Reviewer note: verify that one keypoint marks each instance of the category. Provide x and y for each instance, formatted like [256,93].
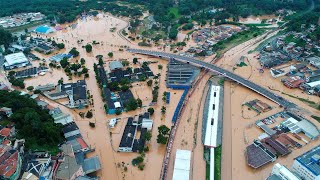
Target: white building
[307,165]
[211,138]
[283,172]
[147,123]
[181,169]
[313,84]
[15,60]
[112,122]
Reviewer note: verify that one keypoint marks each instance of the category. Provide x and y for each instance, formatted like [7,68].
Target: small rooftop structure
[113,65]
[117,105]
[182,165]
[112,122]
[58,57]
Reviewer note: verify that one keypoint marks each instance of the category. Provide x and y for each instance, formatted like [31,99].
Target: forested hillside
[67,10]
[33,124]
[64,10]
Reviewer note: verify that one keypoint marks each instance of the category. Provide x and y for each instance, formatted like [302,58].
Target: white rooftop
[16,58]
[112,122]
[314,84]
[285,172]
[182,165]
[213,115]
[117,105]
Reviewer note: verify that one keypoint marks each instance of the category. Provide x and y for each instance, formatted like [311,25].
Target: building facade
[307,165]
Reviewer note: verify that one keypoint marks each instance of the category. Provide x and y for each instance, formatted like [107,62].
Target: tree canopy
[33,123]
[5,37]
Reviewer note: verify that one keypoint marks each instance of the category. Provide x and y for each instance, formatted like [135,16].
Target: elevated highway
[254,87]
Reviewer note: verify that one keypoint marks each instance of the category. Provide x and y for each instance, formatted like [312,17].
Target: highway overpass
[261,90]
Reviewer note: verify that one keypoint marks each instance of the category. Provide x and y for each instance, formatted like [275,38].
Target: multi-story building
[283,173]
[307,165]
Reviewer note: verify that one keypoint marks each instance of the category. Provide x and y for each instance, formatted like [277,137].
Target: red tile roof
[6,142]
[82,143]
[9,167]
[5,132]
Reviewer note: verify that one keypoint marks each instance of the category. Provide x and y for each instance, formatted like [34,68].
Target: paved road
[262,91]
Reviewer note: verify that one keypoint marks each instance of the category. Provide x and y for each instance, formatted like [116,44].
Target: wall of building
[303,172]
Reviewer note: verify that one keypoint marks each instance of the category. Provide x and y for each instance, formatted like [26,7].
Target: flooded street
[101,138]
[238,131]
[238,125]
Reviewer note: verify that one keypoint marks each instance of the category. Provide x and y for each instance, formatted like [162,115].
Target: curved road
[261,90]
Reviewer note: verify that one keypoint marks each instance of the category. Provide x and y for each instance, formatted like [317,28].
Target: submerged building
[15,60]
[182,165]
[180,74]
[307,165]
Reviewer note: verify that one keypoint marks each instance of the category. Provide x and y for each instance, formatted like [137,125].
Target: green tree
[151,111]
[82,61]
[89,114]
[162,139]
[118,111]
[5,37]
[160,66]
[173,33]
[88,48]
[30,88]
[139,102]
[135,60]
[148,136]
[110,54]
[149,82]
[30,119]
[61,46]
[131,105]
[163,109]
[163,130]
[74,52]
[91,124]
[64,62]
[84,70]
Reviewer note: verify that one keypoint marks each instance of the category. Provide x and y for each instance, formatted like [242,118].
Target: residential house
[67,167]
[10,163]
[292,82]
[70,130]
[314,61]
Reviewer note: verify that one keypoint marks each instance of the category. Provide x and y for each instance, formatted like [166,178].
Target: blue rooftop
[42,29]
[311,160]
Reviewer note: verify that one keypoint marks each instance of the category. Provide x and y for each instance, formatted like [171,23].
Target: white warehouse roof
[314,84]
[213,115]
[16,58]
[182,165]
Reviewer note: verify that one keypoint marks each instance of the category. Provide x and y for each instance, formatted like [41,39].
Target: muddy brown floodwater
[238,125]
[101,138]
